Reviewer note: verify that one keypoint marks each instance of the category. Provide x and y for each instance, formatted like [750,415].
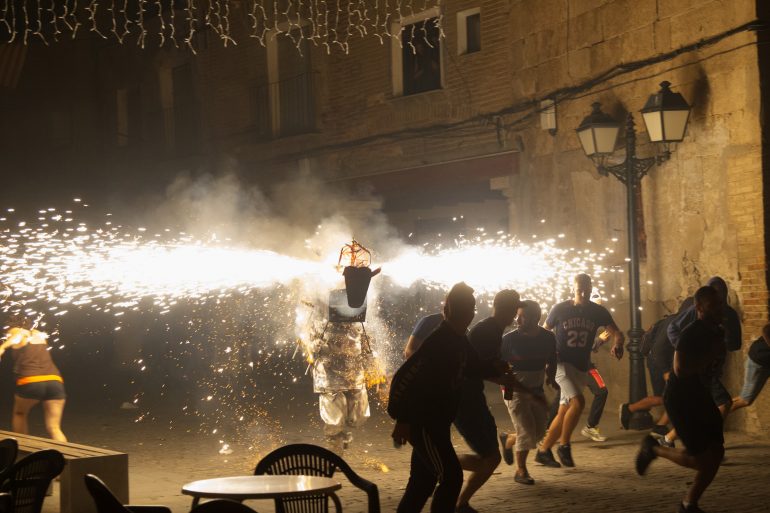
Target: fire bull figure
[339,376]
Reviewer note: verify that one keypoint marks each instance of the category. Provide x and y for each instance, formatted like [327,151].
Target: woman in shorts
[38,380]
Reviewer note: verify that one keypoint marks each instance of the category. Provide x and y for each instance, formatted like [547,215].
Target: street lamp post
[665,114]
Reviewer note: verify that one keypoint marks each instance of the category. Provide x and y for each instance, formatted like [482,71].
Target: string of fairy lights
[330,24]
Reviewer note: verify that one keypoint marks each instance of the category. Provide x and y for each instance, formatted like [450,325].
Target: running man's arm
[618,340]
[412,345]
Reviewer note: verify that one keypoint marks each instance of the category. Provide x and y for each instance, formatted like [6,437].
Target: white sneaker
[593,434]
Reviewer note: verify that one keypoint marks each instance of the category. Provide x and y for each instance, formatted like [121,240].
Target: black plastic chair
[222,506]
[106,502]
[29,479]
[312,460]
[9,449]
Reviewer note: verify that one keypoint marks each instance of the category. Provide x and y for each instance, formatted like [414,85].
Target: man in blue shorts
[575,323]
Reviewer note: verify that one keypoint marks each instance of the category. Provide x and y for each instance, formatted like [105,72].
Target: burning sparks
[58,263]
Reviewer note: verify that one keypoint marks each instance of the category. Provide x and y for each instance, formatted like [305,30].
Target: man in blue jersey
[575,323]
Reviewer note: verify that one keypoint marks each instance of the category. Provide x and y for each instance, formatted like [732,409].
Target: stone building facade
[480,145]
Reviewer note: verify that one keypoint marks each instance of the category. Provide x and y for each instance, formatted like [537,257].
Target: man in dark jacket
[731,326]
[424,397]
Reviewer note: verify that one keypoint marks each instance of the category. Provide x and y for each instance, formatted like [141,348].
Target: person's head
[708,304]
[504,306]
[528,316]
[460,305]
[720,286]
[582,287]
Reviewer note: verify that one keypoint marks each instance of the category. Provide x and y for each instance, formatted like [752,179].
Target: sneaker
[546,458]
[625,415]
[565,455]
[507,451]
[665,442]
[593,434]
[646,454]
[526,479]
[690,508]
[659,431]
[466,508]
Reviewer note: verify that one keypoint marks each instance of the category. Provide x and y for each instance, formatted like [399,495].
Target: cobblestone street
[162,460]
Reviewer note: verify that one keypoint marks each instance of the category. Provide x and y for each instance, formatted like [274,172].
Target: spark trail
[56,262]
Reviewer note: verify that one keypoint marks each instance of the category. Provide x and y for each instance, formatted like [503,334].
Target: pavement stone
[162,459]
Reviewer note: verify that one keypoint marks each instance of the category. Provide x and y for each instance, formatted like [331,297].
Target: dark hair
[532,308]
[506,299]
[459,293]
[583,278]
[704,294]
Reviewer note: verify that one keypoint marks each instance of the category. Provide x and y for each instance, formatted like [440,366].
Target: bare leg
[738,403]
[481,469]
[706,466]
[646,404]
[554,430]
[510,441]
[21,407]
[571,418]
[521,463]
[53,410]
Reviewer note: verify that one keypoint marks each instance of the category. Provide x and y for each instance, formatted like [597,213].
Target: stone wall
[703,209]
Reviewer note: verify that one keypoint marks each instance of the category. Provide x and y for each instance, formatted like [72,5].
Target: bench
[110,466]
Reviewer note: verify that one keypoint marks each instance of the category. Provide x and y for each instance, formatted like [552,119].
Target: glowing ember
[58,263]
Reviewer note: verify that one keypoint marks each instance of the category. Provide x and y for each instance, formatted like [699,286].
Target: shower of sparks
[57,263]
[540,271]
[213,326]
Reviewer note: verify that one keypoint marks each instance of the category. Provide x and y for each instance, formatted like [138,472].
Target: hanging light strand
[324,23]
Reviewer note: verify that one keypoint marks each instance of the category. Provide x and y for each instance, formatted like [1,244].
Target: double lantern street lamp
[665,116]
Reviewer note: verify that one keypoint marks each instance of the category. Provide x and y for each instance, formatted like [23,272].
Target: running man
[689,402]
[731,327]
[575,323]
[531,352]
[424,397]
[474,421]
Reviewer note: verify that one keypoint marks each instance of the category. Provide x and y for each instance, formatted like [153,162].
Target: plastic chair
[106,502]
[9,449]
[29,479]
[221,506]
[312,460]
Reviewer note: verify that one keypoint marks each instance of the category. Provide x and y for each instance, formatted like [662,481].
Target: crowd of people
[441,383]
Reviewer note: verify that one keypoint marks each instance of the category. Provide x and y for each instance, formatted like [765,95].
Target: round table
[259,487]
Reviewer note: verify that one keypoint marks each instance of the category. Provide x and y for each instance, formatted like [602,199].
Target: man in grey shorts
[575,323]
[531,353]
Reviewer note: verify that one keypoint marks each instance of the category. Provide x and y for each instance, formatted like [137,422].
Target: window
[290,91]
[469,31]
[417,54]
